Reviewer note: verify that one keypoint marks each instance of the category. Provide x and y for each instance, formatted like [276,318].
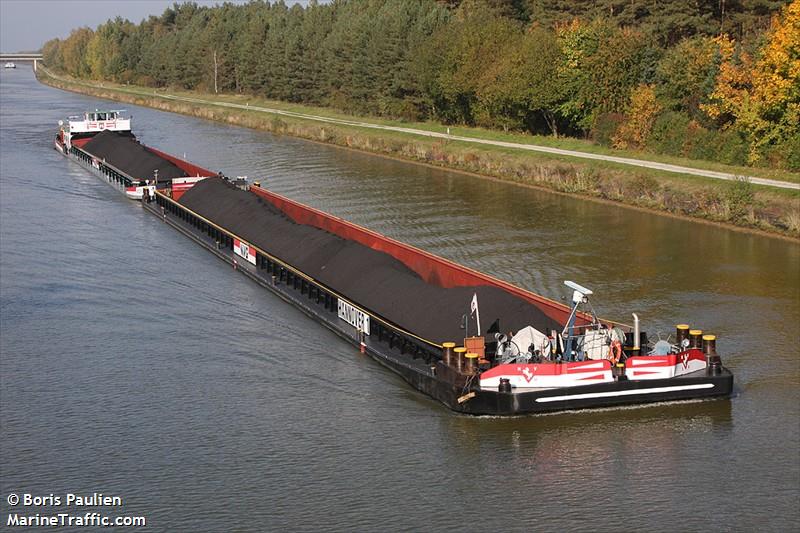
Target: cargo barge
[420,315]
[103,143]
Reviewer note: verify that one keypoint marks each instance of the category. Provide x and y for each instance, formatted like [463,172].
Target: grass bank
[739,204]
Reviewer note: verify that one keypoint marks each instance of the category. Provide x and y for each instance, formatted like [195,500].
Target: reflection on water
[630,428]
[134,363]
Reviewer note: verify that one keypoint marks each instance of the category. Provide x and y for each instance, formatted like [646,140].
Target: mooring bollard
[447,352]
[459,356]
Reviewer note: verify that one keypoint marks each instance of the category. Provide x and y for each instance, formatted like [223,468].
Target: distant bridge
[20,58]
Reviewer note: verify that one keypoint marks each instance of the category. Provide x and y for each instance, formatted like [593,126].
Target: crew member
[615,345]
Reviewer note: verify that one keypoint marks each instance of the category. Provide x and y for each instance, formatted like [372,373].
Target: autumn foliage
[711,80]
[640,117]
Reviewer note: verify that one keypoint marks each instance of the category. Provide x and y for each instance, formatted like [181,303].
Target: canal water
[136,364]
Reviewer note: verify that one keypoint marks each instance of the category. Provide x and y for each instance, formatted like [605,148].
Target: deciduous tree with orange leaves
[761,96]
[640,117]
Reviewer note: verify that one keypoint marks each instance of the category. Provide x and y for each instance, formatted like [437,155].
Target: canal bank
[739,204]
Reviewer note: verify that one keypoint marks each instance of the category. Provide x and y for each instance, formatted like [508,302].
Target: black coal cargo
[124,153]
[372,279]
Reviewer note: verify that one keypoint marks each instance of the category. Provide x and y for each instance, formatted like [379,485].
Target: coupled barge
[103,143]
[560,358]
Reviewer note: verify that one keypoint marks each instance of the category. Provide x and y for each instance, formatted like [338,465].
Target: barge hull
[457,391]
[116,180]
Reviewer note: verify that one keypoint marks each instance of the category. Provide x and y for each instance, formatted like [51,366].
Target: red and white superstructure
[97,121]
[79,129]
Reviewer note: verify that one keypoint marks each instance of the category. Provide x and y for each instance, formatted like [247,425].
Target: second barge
[104,144]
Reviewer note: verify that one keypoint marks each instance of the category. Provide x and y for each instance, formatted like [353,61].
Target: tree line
[707,79]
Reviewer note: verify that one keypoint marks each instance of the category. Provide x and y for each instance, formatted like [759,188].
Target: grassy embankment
[739,204]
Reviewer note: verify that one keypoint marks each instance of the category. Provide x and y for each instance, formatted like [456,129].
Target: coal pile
[375,280]
[126,154]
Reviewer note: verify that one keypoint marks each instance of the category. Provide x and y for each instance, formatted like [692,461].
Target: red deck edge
[431,268]
[189,168]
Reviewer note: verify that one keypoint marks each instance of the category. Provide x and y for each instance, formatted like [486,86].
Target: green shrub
[669,133]
[675,134]
[785,154]
[699,142]
[739,199]
[731,147]
[605,126]
[793,153]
